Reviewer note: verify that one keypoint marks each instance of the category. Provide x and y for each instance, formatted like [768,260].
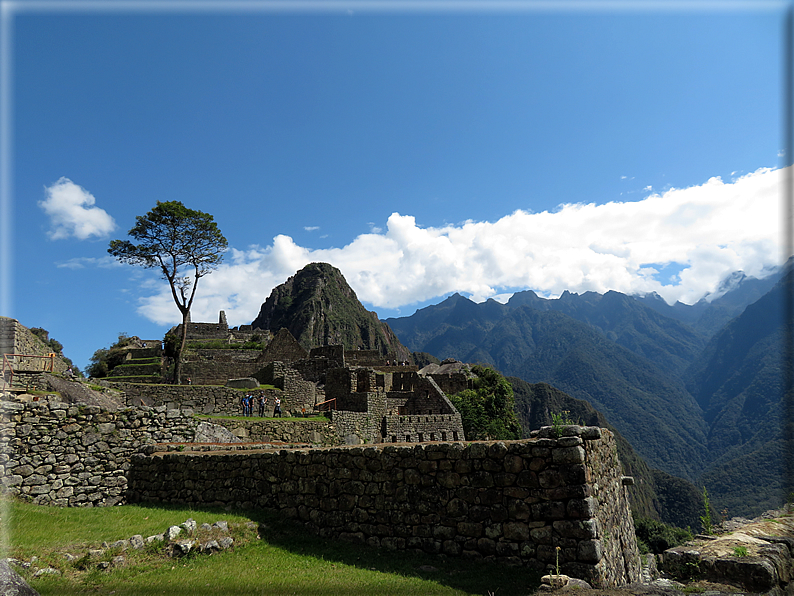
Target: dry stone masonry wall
[514,502]
[314,431]
[61,454]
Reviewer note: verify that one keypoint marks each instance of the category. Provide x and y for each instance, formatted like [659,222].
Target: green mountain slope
[738,381]
[653,412]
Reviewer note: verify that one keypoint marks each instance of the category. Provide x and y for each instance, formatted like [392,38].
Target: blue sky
[422,152]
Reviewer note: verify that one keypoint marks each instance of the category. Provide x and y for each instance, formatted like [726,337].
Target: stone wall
[284,348]
[15,338]
[314,431]
[515,502]
[18,339]
[297,393]
[203,399]
[215,367]
[364,358]
[214,399]
[430,427]
[66,455]
[356,428]
[452,383]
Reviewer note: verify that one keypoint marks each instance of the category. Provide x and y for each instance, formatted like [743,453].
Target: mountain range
[695,389]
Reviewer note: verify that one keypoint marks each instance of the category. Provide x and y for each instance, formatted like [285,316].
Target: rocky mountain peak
[319,308]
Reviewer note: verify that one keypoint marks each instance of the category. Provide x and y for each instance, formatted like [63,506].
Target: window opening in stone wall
[454,435]
[443,436]
[421,437]
[407,438]
[432,436]
[394,438]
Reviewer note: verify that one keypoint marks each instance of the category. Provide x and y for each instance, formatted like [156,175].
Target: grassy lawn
[284,559]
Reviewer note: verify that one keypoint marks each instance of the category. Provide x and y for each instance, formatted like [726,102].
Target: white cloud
[83,262]
[712,230]
[72,212]
[311,228]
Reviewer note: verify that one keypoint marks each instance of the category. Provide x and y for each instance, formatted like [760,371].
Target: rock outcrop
[319,308]
[756,557]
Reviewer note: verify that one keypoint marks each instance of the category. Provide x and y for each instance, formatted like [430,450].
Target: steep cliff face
[319,308]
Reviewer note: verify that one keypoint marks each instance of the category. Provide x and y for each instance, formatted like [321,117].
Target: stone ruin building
[369,398]
[219,330]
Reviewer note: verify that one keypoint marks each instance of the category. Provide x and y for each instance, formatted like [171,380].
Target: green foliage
[171,345]
[656,537]
[488,410]
[705,519]
[106,359]
[740,551]
[558,420]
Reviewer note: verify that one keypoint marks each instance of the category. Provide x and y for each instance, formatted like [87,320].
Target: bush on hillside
[488,410]
[656,537]
[106,359]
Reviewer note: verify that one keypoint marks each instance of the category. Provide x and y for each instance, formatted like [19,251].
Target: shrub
[656,537]
[106,359]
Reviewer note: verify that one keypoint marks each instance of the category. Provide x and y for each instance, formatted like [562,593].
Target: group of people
[249,399]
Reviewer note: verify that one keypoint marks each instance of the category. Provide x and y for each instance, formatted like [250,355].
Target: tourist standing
[262,403]
[277,409]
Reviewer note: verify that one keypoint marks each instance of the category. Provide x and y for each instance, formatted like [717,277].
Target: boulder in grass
[12,584]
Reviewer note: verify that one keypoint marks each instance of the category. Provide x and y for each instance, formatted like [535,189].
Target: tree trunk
[178,358]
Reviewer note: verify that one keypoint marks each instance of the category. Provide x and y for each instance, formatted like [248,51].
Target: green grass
[287,559]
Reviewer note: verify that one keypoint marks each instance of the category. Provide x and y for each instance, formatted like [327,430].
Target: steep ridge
[658,417]
[738,382]
[319,308]
[454,327]
[538,340]
[655,494]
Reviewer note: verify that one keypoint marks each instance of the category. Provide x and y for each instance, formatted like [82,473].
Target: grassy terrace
[284,559]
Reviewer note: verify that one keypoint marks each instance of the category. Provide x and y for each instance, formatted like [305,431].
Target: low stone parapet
[535,502]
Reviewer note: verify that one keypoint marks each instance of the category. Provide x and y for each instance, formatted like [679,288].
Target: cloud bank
[704,232]
[72,212]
